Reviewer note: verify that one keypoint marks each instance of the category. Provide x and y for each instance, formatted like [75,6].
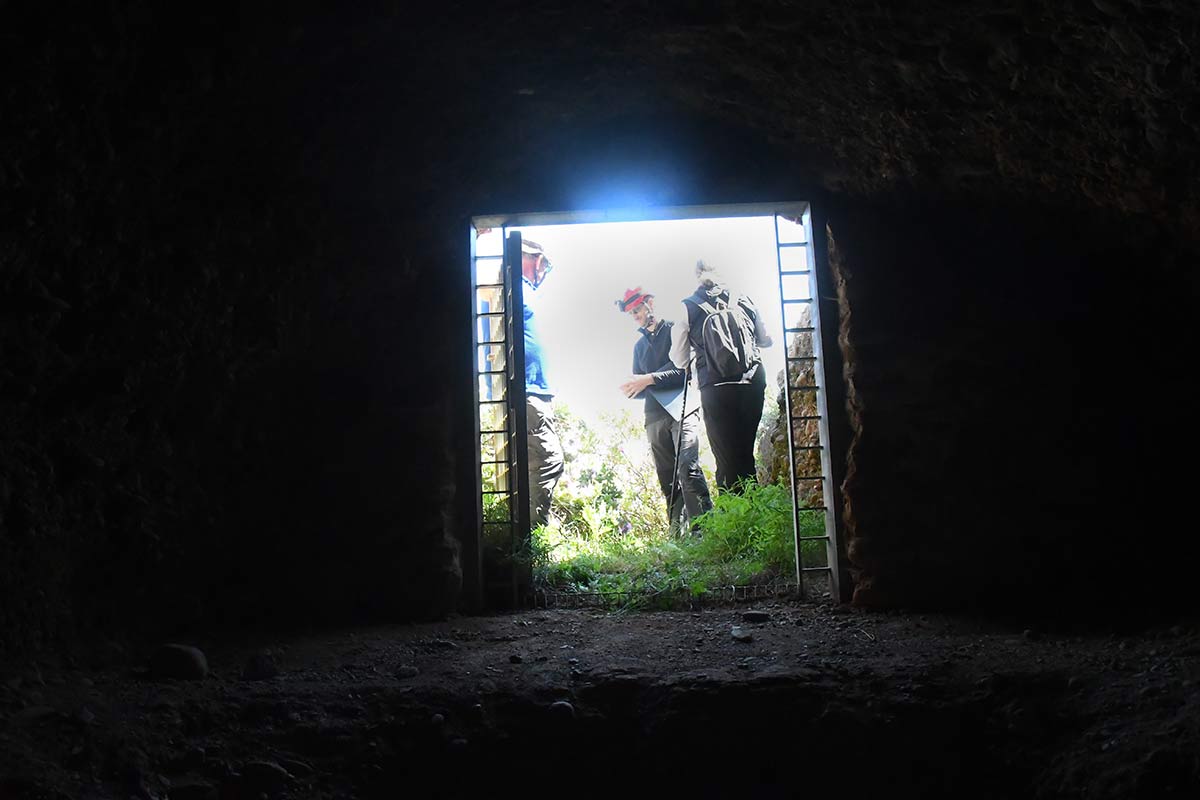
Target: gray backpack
[727,333]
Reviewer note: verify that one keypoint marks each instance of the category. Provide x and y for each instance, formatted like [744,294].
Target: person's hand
[636,385]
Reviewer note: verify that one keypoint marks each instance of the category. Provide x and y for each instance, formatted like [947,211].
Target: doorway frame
[834,422]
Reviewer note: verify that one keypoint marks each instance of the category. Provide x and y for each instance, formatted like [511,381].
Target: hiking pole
[679,442]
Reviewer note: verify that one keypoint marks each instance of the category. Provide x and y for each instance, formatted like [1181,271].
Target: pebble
[741,635]
[297,768]
[265,776]
[180,661]
[31,715]
[191,790]
[562,709]
[260,666]
[405,671]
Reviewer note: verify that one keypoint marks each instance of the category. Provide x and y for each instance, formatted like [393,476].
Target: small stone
[192,758]
[31,715]
[260,666]
[756,616]
[562,709]
[1031,634]
[265,776]
[406,671]
[515,659]
[741,635]
[179,661]
[458,744]
[297,768]
[191,789]
[437,720]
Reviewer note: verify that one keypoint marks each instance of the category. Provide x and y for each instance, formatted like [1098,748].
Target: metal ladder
[805,405]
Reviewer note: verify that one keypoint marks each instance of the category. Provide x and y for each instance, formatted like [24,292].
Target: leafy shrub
[608,529]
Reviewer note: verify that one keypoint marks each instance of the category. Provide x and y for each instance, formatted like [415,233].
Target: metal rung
[806,416]
[489,313]
[793,244]
[492,372]
[490,433]
[480,258]
[824,538]
[798,330]
[808,447]
[810,508]
[795,272]
[814,569]
[800,358]
[804,387]
[810,478]
[489,286]
[805,300]
[502,461]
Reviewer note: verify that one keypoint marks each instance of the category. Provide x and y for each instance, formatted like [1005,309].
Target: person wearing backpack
[672,418]
[723,331]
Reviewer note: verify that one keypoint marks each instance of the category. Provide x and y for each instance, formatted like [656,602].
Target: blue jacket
[535,370]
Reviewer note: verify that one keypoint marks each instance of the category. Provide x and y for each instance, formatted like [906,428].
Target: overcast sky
[588,342]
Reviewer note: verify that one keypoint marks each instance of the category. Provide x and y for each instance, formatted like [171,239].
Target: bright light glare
[588,342]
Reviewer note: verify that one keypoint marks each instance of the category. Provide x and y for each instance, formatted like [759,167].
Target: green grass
[746,539]
[609,529]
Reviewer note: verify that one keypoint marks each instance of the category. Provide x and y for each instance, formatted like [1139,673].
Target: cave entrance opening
[771,252]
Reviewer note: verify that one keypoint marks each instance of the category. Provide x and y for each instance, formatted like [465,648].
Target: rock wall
[1012,379]
[233,347]
[218,398]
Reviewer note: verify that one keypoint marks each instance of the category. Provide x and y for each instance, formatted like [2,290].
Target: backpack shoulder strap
[707,308]
[747,305]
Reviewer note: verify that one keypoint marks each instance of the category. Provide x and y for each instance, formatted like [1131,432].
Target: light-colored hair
[708,274]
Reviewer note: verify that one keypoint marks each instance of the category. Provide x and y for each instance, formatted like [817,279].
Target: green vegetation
[609,531]
[608,536]
[745,539]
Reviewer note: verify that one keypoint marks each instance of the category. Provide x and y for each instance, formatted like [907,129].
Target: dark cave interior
[218,225]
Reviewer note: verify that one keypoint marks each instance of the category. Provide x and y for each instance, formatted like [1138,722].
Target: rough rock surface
[944,706]
[221,225]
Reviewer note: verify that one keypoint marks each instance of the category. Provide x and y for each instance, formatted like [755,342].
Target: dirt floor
[763,700]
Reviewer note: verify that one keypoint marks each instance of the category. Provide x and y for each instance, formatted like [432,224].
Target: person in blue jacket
[545,448]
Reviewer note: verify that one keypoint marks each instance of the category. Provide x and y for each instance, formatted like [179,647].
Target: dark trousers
[731,416]
[690,488]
